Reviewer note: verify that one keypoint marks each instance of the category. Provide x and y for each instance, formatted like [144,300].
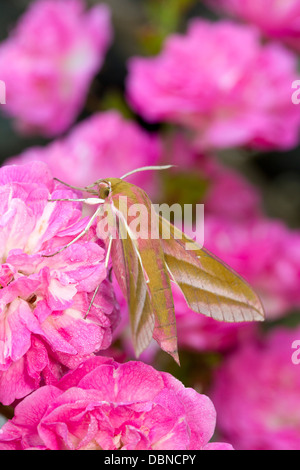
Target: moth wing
[146,251]
[160,292]
[131,278]
[209,286]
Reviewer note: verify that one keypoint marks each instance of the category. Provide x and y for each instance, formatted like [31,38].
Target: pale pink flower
[278,19]
[256,394]
[104,145]
[265,252]
[49,61]
[110,406]
[43,301]
[221,82]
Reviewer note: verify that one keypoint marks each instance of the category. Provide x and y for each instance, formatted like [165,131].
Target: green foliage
[164,18]
[114,99]
[185,187]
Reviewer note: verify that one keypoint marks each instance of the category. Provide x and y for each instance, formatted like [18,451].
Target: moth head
[104,189]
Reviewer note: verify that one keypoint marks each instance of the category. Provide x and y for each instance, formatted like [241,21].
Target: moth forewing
[151,258]
[131,279]
[210,286]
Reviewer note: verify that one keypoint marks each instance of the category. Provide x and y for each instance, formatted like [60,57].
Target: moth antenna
[77,188]
[146,168]
[69,200]
[69,185]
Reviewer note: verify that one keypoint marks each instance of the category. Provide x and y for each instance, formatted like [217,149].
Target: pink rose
[43,301]
[256,394]
[221,82]
[282,21]
[49,61]
[109,406]
[104,145]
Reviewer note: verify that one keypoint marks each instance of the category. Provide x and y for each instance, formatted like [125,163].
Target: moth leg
[97,212]
[106,265]
[108,251]
[92,301]
[70,200]
[89,200]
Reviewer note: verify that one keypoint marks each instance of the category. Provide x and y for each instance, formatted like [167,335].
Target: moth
[145,267]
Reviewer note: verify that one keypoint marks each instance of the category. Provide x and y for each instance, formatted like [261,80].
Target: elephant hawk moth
[145,267]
